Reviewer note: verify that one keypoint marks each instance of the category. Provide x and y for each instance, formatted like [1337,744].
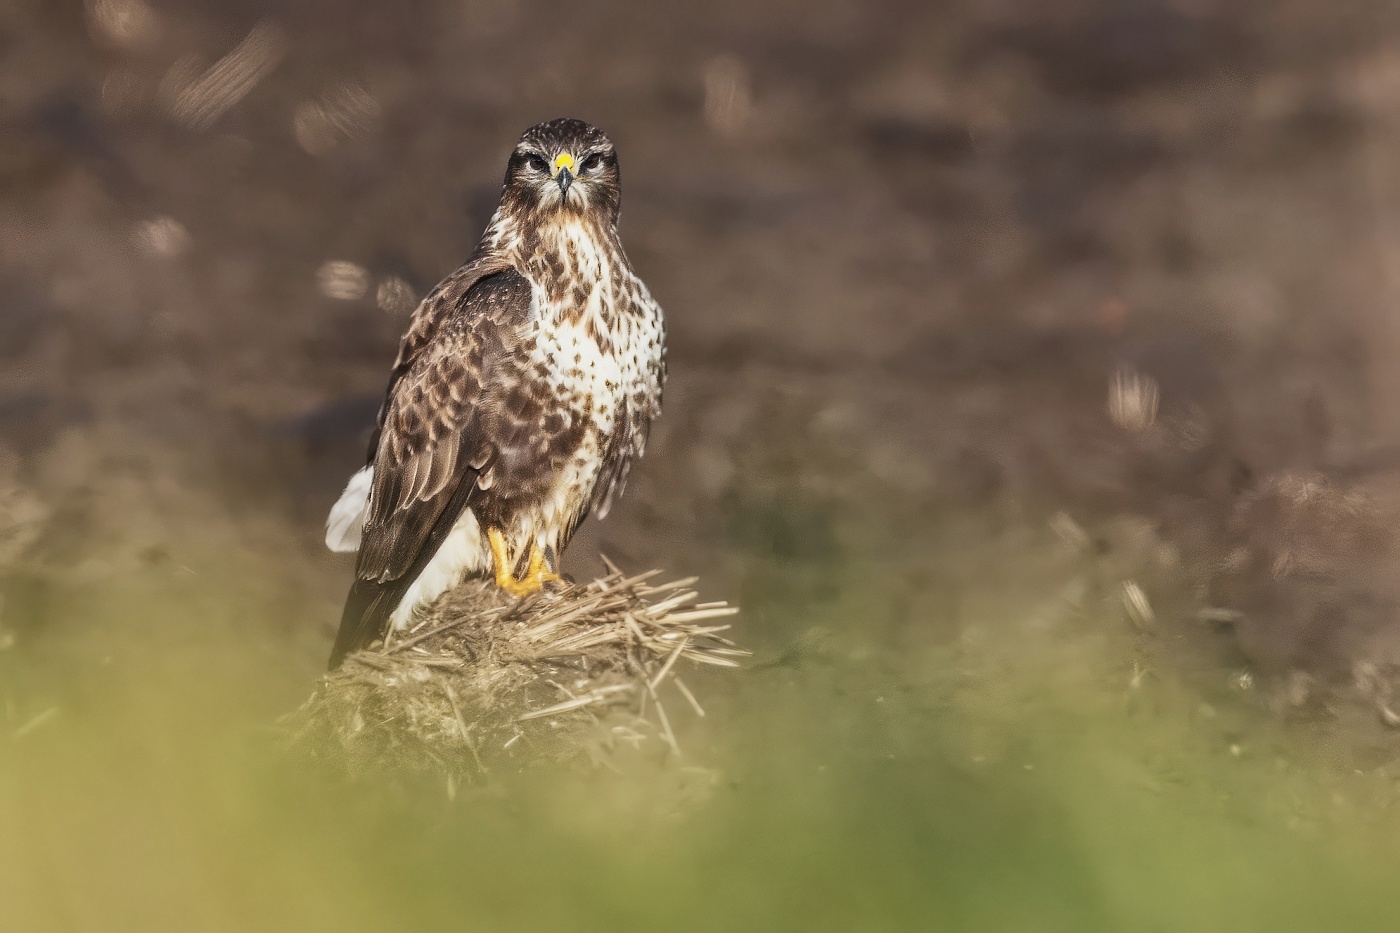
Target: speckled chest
[596,351]
[597,325]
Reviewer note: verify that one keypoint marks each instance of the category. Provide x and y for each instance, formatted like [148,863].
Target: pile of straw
[485,680]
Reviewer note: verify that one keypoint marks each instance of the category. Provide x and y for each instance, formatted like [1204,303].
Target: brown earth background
[1012,323]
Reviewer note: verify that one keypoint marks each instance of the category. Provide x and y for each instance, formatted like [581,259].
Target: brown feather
[426,431]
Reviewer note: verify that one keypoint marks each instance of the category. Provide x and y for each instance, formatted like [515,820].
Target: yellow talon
[500,559]
[536,574]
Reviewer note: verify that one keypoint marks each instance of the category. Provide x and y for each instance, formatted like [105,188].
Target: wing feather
[428,430]
[438,306]
[435,439]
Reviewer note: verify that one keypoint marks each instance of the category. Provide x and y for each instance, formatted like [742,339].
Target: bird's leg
[503,566]
[537,573]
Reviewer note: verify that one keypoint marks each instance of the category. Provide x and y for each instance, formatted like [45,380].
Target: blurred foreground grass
[1012,778]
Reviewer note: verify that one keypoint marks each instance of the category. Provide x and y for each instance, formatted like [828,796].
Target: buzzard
[520,398]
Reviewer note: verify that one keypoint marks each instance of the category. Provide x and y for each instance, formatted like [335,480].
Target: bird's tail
[368,606]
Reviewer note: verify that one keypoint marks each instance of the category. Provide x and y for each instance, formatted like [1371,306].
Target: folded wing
[436,437]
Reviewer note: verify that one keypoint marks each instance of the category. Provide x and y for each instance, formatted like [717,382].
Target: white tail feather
[348,515]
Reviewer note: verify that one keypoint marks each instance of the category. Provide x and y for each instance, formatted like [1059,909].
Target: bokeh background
[1033,389]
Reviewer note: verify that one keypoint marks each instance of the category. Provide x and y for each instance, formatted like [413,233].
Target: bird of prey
[521,396]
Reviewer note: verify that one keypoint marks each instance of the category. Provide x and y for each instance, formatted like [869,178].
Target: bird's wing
[444,423]
[438,429]
[347,517]
[441,304]
[625,447]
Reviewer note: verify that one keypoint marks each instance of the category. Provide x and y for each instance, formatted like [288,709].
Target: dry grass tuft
[485,679]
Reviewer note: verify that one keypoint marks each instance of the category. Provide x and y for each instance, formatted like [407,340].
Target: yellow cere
[563,161]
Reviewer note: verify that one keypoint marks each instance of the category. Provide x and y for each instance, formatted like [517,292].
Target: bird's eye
[594,161]
[536,163]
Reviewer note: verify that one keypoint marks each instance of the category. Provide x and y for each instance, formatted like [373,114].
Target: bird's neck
[572,256]
[577,262]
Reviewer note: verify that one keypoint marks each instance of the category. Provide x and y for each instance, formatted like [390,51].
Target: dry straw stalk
[483,679]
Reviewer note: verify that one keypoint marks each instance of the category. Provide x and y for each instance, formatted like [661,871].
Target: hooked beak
[563,173]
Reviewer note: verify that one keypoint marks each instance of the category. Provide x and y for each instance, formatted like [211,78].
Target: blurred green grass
[1010,779]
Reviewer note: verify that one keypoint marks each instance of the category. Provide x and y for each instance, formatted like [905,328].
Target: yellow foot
[537,573]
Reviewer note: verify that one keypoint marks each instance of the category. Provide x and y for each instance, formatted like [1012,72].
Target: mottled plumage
[521,396]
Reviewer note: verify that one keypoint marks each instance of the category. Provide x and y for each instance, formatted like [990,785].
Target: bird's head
[564,165]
